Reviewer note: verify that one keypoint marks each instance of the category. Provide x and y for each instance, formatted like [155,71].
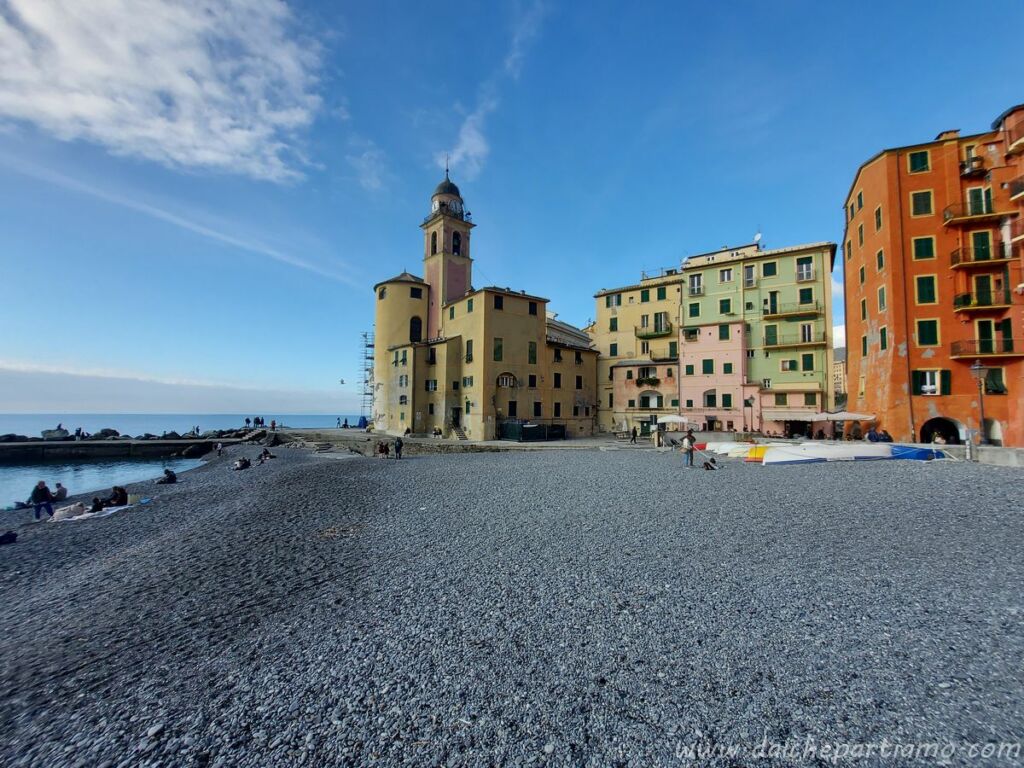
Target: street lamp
[980,373]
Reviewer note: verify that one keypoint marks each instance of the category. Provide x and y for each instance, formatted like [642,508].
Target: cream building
[474,363]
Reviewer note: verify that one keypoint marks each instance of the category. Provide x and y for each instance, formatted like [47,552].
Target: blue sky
[205,195]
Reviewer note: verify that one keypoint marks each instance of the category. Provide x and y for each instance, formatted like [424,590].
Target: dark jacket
[41,495]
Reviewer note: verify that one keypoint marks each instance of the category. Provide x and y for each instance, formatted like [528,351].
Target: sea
[89,476]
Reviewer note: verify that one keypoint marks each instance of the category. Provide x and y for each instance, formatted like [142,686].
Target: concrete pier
[42,450]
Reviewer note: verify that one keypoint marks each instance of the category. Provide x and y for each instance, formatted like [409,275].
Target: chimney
[945,135]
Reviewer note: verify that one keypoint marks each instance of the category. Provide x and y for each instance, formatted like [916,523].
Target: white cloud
[236,241]
[370,164]
[222,85]
[838,336]
[472,148]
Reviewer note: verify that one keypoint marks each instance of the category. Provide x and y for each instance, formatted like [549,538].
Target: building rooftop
[750,252]
[405,277]
[567,335]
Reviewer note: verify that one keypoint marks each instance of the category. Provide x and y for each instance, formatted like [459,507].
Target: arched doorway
[947,428]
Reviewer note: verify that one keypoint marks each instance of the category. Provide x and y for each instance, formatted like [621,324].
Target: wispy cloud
[369,162]
[838,336]
[223,86]
[227,238]
[472,148]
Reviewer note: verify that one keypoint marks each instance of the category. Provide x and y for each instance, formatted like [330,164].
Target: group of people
[244,462]
[42,499]
[874,436]
[342,426]
[384,448]
[258,422]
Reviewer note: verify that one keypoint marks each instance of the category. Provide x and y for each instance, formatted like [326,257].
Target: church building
[474,363]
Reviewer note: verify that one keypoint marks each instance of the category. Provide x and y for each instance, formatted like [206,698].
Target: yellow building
[839,371]
[636,328]
[473,363]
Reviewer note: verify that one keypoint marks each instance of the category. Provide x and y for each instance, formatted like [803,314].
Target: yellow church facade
[474,363]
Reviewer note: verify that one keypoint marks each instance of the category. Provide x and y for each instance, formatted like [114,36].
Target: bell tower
[447,266]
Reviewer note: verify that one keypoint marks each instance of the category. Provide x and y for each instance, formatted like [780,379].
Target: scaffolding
[366,377]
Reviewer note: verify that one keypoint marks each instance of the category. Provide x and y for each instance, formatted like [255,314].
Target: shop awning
[790,415]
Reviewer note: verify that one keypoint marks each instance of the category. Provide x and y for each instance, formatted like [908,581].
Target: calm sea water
[17,480]
[32,424]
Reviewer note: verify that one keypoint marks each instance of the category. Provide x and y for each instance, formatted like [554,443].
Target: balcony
[1016,230]
[971,212]
[981,301]
[647,381]
[815,338]
[793,310]
[658,331]
[664,356]
[1015,136]
[973,166]
[975,348]
[1017,188]
[805,275]
[972,257]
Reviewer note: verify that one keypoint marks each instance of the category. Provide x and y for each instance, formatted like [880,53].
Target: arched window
[403,399]
[506,380]
[456,243]
[415,330]
[433,243]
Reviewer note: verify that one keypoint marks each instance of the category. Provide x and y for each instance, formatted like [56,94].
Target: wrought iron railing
[1016,187]
[968,255]
[966,210]
[796,339]
[656,332]
[981,347]
[810,307]
[981,299]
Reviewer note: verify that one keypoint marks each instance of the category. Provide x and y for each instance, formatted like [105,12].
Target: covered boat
[812,452]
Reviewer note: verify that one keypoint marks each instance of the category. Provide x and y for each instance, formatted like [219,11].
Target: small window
[613,350]
[688,370]
[469,306]
[878,218]
[880,260]
[881,299]
[861,275]
[533,307]
[499,301]
[433,243]
[921,203]
[860,201]
[558,410]
[781,398]
[864,346]
[860,234]
[451,312]
[469,350]
[579,382]
[853,210]
[883,338]
[631,404]
[725,306]
[415,330]
[925,289]
[769,269]
[707,366]
[456,244]
[498,348]
[723,333]
[579,357]
[924,248]
[645,296]
[807,361]
[806,295]
[694,309]
[611,400]
[382,292]
[558,381]
[532,380]
[726,400]
[558,356]
[918,162]
[531,353]
[725,275]
[613,324]
[661,293]
[726,368]
[863,309]
[927,333]
[415,293]
[810,398]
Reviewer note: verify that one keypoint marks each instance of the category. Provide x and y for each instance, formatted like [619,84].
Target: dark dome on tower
[447,187]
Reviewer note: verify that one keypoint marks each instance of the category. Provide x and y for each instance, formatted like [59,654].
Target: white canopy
[673,419]
[844,416]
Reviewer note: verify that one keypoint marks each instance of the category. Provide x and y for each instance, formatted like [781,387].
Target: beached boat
[812,452]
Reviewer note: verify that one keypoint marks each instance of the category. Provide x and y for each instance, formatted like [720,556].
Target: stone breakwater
[563,607]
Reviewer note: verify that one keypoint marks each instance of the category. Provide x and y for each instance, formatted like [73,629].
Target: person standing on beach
[632,437]
[247,422]
[220,448]
[42,499]
[398,447]
[339,422]
[689,443]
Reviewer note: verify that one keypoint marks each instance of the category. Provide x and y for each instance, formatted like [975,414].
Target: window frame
[934,279]
[931,203]
[917,332]
[913,248]
[927,161]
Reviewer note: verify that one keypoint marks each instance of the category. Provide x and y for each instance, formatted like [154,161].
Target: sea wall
[41,450]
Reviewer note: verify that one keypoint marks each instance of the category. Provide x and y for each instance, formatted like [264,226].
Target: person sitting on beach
[242,463]
[41,499]
[168,478]
[60,493]
[97,505]
[118,497]
[710,464]
[266,454]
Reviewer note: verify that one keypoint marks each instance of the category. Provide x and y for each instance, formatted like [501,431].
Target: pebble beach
[584,607]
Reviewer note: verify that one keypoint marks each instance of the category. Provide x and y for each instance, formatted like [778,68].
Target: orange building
[932,255]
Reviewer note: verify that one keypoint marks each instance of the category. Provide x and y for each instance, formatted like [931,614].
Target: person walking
[398,447]
[632,437]
[273,425]
[689,443]
[42,499]
[339,422]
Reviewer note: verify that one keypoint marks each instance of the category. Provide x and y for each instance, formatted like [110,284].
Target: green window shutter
[945,382]
[924,248]
[661,296]
[694,310]
[613,324]
[726,400]
[810,398]
[608,300]
[613,350]
[723,333]
[675,402]
[707,366]
[927,332]
[771,335]
[916,382]
[645,295]
[807,361]
[926,290]
[726,367]
[673,348]
[629,373]
[883,338]
[769,269]
[689,403]
[806,295]
[689,370]
[631,404]
[725,306]
[864,346]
